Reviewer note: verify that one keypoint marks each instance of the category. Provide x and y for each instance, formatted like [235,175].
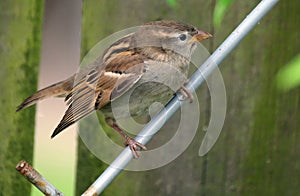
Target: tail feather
[82,105]
[57,89]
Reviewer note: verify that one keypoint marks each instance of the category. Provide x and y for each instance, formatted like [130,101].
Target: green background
[257,152]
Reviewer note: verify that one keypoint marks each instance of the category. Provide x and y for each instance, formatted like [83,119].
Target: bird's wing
[81,100]
[101,85]
[127,68]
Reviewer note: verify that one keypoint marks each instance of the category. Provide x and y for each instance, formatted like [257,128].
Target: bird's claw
[134,146]
[186,93]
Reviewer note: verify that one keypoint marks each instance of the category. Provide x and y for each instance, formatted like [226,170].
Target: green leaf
[172,3]
[289,76]
[220,9]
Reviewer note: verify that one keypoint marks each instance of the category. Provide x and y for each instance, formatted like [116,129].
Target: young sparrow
[137,61]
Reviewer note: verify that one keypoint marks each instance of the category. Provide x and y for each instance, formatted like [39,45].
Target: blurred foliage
[20,38]
[271,164]
[289,76]
[220,10]
[172,3]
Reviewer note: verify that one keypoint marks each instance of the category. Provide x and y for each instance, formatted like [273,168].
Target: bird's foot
[134,146]
[186,93]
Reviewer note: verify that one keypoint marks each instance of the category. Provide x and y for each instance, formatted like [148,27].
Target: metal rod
[37,179]
[198,77]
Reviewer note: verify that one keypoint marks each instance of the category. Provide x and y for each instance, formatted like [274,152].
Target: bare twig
[37,179]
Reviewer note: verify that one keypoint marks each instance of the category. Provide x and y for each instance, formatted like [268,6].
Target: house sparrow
[136,61]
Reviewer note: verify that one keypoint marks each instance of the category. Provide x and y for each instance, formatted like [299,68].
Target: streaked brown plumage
[126,63]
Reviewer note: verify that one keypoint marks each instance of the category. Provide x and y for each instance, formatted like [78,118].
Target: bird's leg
[133,145]
[186,93]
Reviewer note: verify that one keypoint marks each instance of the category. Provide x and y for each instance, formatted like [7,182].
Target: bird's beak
[201,35]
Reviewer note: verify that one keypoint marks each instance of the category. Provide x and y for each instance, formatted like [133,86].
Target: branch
[37,179]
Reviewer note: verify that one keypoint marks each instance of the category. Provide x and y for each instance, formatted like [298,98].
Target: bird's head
[168,37]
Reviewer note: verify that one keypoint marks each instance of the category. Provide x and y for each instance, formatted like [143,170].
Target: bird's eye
[182,37]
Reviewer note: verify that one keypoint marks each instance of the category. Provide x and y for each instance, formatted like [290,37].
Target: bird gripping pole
[197,78]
